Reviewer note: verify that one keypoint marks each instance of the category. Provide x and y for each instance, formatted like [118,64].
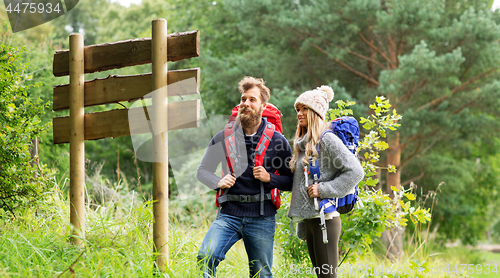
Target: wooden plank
[101,57]
[122,88]
[115,123]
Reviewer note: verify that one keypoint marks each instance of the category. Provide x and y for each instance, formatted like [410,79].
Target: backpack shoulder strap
[231,158]
[230,145]
[314,165]
[260,152]
[263,144]
[323,135]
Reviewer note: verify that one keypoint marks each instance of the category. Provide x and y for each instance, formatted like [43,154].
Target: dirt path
[495,248]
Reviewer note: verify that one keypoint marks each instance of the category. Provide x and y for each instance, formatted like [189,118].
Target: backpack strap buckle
[244,198]
[263,145]
[261,148]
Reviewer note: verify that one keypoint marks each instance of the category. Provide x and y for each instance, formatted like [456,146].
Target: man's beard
[251,119]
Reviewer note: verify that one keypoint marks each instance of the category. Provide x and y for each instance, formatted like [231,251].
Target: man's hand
[227,181]
[313,190]
[261,174]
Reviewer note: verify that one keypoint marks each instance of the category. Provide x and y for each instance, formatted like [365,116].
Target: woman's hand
[313,190]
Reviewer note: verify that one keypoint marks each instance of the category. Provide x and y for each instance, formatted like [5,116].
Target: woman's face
[302,114]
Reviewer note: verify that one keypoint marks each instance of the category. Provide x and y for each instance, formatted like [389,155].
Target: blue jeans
[257,234]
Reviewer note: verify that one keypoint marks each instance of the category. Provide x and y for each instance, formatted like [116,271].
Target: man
[249,217]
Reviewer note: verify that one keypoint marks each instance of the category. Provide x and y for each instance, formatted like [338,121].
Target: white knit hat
[317,100]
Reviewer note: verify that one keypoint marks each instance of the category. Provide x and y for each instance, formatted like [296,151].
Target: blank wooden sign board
[78,127]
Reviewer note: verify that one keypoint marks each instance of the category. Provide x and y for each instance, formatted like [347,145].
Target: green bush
[379,212]
[293,250]
[21,179]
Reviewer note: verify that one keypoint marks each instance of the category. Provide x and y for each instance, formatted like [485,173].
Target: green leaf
[391,169]
[372,182]
[410,196]
[368,125]
[382,133]
[381,145]
[370,174]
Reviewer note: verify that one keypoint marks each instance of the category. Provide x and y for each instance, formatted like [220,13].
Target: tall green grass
[118,242]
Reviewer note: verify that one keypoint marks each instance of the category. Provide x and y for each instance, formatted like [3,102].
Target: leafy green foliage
[20,179]
[377,211]
[293,249]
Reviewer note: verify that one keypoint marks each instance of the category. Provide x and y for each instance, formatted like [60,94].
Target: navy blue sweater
[277,156]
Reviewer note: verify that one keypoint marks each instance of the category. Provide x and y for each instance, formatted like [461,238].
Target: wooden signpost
[78,127]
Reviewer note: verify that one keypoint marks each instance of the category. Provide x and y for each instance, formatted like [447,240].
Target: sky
[496,4]
[126,3]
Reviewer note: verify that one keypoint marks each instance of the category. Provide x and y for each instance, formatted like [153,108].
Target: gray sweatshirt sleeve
[212,158]
[341,169]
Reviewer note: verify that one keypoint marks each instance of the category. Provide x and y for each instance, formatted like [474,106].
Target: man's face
[251,107]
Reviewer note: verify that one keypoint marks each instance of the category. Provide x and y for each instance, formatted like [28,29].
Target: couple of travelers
[257,160]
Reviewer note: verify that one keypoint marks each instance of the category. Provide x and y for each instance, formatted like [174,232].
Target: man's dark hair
[248,82]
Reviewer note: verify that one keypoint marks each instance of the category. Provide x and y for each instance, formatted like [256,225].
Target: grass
[491,259]
[118,243]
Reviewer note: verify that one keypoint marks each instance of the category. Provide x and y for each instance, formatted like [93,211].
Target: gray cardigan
[340,172]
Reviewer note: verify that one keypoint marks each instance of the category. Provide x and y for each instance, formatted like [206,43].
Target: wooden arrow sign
[115,123]
[122,88]
[127,53]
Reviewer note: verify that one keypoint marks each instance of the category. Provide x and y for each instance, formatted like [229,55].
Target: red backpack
[273,117]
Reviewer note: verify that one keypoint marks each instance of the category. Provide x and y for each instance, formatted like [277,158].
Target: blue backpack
[347,129]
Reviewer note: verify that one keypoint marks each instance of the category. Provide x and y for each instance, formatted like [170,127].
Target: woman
[340,172]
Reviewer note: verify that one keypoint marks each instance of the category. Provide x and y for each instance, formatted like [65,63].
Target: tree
[21,180]
[438,66]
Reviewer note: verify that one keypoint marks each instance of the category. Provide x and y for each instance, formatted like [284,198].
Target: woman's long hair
[315,127]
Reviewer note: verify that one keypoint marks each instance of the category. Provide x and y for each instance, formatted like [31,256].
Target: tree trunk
[393,158]
[34,152]
[393,238]
[379,178]
[34,156]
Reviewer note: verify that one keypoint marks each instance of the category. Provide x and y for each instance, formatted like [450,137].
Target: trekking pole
[316,205]
[306,175]
[347,250]
[344,257]
[315,180]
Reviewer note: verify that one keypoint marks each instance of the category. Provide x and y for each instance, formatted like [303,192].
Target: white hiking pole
[315,179]
[316,205]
